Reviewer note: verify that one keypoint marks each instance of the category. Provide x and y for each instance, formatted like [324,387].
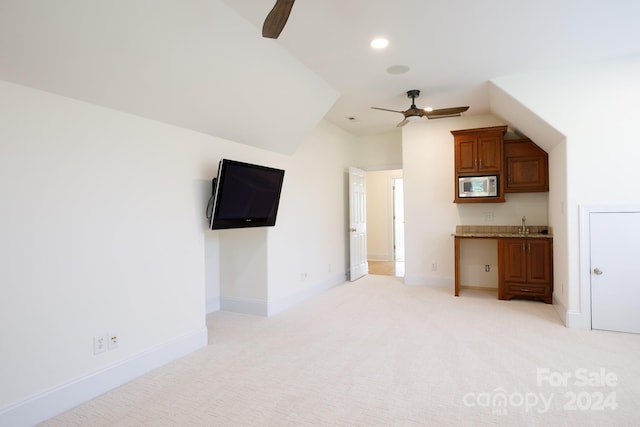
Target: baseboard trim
[577,320]
[432,281]
[282,304]
[55,401]
[213,305]
[252,306]
[379,257]
[256,307]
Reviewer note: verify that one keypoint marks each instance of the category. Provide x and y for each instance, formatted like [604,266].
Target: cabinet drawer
[523,289]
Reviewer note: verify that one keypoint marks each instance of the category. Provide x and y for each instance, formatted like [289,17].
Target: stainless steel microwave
[478,186]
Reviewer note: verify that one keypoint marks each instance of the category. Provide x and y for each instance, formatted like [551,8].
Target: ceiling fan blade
[402,123]
[446,112]
[276,19]
[386,109]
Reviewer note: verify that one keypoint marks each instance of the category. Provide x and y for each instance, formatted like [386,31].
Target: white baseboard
[379,257]
[287,302]
[578,320]
[50,403]
[571,319]
[252,306]
[432,281]
[213,305]
[263,308]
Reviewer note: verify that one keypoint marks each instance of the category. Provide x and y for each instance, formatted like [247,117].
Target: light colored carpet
[378,352]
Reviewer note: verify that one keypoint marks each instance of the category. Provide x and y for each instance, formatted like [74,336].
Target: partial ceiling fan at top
[277,18]
[414,111]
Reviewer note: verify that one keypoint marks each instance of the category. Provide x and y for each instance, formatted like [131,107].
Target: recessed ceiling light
[398,69]
[379,43]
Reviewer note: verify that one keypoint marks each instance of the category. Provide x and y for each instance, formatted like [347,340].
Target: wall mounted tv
[244,195]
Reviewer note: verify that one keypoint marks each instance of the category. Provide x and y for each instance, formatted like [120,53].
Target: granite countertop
[508,231]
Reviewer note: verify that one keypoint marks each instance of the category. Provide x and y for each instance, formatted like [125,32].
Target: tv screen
[244,195]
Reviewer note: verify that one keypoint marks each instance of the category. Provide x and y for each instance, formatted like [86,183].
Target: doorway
[385,222]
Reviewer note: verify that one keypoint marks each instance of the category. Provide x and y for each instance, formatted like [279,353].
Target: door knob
[597,271]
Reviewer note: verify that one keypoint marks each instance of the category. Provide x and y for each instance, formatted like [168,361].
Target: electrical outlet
[114,341]
[434,266]
[487,268]
[100,343]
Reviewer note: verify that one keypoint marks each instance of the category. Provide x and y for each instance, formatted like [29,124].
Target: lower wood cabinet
[526,268]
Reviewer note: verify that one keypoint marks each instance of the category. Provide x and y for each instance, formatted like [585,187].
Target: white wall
[103,231]
[430,214]
[595,106]
[380,152]
[308,247]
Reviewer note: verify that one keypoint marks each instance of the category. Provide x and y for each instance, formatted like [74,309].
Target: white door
[358,266]
[615,271]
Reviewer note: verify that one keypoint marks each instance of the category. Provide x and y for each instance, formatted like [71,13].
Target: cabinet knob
[597,271]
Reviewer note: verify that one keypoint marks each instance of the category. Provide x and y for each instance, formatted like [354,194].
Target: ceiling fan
[276,19]
[414,111]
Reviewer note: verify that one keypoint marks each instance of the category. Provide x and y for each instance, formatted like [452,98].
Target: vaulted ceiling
[203,65]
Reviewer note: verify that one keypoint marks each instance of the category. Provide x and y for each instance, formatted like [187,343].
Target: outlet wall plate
[100,343]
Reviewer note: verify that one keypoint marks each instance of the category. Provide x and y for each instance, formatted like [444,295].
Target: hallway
[387,268]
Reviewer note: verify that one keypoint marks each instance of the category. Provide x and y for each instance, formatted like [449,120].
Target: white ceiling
[203,65]
[452,47]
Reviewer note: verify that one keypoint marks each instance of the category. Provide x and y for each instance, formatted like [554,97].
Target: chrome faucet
[523,229]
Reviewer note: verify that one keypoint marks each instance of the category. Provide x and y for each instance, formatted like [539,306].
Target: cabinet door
[539,260]
[490,153]
[527,174]
[515,260]
[466,154]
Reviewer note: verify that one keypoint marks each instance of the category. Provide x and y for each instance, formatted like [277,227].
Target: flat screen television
[244,195]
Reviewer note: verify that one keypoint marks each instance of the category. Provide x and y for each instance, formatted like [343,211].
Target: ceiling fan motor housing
[414,93]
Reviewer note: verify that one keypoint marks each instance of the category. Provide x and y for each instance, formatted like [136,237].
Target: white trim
[55,401]
[432,281]
[254,307]
[379,257]
[282,304]
[582,319]
[213,305]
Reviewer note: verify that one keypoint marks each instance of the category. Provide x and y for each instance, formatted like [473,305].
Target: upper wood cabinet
[526,167]
[479,151]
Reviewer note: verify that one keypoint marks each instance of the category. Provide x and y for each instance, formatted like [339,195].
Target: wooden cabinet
[526,268]
[526,167]
[479,152]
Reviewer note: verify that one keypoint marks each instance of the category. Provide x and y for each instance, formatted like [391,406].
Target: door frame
[585,212]
[392,201]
